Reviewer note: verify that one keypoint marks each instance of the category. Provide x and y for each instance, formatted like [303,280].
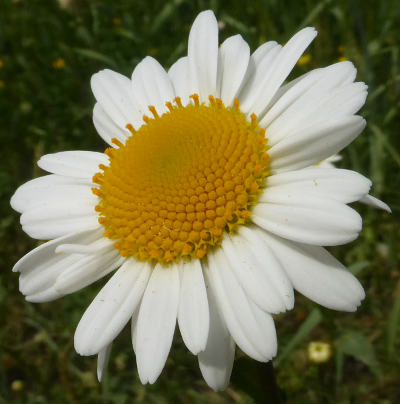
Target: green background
[44,109]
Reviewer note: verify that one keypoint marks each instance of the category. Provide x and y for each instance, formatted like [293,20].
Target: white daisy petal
[315,143]
[307,219]
[114,93]
[337,184]
[72,195]
[271,266]
[258,61]
[48,220]
[107,128]
[179,76]
[302,95]
[151,86]
[156,322]
[255,275]
[233,60]
[282,66]
[203,55]
[237,309]
[102,361]
[98,246]
[282,90]
[193,313]
[42,256]
[134,328]
[40,267]
[87,270]
[346,100]
[375,202]
[40,188]
[290,93]
[328,163]
[216,361]
[260,65]
[45,229]
[266,325]
[46,295]
[78,164]
[42,276]
[317,274]
[330,106]
[112,308]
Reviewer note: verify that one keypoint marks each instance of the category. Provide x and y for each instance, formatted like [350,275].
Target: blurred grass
[46,105]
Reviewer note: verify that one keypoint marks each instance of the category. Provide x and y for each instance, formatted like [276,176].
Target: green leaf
[91,54]
[393,323]
[357,345]
[309,324]
[356,268]
[166,12]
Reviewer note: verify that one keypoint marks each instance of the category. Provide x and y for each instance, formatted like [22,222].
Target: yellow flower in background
[319,352]
[304,60]
[17,386]
[59,63]
[1,64]
[66,4]
[116,22]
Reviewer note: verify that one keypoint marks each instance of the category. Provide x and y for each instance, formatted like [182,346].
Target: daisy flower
[206,204]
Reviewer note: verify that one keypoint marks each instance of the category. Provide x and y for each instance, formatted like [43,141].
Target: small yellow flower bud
[59,63]
[319,352]
[17,385]
[304,60]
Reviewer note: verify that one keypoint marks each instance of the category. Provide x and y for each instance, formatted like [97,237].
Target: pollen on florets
[182,180]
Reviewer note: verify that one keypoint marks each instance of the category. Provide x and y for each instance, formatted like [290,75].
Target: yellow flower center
[182,180]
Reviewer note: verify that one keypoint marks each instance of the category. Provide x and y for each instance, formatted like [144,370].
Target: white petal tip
[14,203]
[206,14]
[386,207]
[31,299]
[311,30]
[375,202]
[218,387]
[81,349]
[84,352]
[40,163]
[144,380]
[308,33]
[196,349]
[150,379]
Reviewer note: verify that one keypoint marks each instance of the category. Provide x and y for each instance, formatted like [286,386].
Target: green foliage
[358,346]
[313,319]
[46,107]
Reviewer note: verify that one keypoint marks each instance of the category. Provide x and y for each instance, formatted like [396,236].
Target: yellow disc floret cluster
[182,180]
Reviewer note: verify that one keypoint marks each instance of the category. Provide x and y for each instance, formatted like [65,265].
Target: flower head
[206,204]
